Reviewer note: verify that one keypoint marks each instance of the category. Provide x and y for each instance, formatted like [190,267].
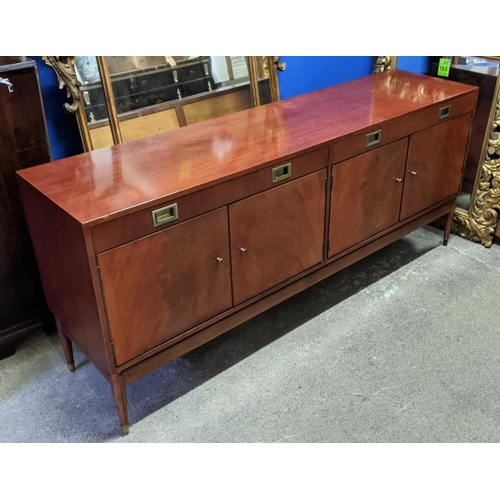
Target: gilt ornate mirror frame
[64,67]
[478,223]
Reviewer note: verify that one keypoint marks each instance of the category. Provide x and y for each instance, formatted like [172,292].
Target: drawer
[399,127]
[129,227]
[441,113]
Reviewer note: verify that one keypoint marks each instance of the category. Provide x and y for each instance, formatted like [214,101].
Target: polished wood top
[109,182]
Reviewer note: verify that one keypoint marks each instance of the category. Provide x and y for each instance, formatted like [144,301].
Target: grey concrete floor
[403,346]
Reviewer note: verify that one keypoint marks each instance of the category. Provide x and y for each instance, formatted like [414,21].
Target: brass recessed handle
[373,138]
[219,260]
[243,250]
[165,214]
[282,172]
[444,112]
[398,179]
[413,172]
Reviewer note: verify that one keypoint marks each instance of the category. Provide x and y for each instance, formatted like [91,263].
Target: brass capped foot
[125,430]
[71,367]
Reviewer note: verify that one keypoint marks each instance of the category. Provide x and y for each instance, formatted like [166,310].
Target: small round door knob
[243,250]
[413,172]
[219,260]
[398,179]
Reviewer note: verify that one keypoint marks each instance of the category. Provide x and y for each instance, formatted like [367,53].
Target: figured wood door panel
[277,234]
[159,286]
[366,195]
[434,165]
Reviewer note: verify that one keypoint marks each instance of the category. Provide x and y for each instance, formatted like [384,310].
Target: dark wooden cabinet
[149,249]
[23,143]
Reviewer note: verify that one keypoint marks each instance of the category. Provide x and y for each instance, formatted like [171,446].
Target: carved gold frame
[384,63]
[64,67]
[479,222]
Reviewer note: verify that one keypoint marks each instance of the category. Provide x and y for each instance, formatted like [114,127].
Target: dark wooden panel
[130,227]
[66,274]
[400,127]
[277,234]
[366,195]
[115,181]
[23,143]
[434,165]
[159,286]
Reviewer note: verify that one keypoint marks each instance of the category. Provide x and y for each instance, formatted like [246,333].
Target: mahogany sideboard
[152,248]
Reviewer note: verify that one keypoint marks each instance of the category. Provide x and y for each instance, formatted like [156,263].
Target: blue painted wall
[416,64]
[307,73]
[62,127]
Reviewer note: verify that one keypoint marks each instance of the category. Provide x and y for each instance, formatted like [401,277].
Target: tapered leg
[447,227]
[67,346]
[120,395]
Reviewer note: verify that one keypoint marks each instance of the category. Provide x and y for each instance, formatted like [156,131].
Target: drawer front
[138,224]
[400,127]
[371,139]
[276,235]
[160,286]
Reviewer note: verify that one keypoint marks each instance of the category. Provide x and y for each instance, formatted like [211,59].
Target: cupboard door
[277,234]
[434,166]
[159,286]
[366,195]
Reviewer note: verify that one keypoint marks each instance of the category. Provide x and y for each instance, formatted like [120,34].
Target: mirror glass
[155,94]
[481,72]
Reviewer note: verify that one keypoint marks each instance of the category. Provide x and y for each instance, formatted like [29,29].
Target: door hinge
[99,273]
[113,349]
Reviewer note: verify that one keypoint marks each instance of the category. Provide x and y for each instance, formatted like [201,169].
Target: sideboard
[152,248]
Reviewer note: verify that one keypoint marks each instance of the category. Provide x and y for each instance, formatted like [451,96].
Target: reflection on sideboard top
[154,169]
